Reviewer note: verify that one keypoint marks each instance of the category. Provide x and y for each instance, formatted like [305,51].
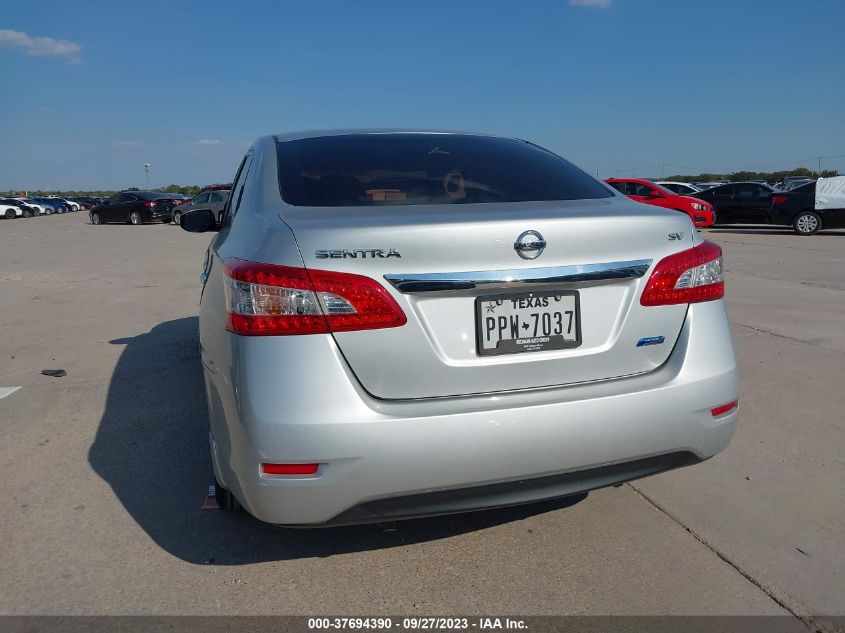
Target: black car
[26,210]
[796,208]
[134,207]
[739,202]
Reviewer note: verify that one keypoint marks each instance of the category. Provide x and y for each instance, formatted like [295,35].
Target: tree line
[190,190]
[741,176]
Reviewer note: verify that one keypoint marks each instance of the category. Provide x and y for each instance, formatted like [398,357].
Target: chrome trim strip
[438,282]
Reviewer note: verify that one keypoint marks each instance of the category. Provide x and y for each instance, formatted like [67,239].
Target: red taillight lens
[265,299]
[690,276]
[779,199]
[289,469]
[150,204]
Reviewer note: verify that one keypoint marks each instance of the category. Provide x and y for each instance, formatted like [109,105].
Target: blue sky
[609,84]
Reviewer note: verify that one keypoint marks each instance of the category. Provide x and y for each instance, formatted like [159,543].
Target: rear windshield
[396,169]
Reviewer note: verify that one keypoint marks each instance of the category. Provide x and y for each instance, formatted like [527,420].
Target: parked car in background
[739,202]
[212,198]
[51,206]
[809,212]
[10,211]
[134,207]
[792,183]
[69,205]
[26,210]
[40,209]
[86,202]
[351,378]
[681,188]
[649,192]
[707,185]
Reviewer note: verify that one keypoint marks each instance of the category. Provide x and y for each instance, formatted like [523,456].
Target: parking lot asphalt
[104,470]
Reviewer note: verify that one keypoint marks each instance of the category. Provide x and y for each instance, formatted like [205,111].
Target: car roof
[644,181]
[750,182]
[147,195]
[296,136]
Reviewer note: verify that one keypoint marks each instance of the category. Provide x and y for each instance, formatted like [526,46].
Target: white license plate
[527,322]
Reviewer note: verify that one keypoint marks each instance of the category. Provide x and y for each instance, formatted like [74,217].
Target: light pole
[147,171]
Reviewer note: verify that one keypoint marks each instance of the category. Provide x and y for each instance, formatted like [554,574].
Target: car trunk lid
[439,261]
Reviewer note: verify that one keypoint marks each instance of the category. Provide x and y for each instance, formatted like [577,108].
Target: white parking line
[7,391]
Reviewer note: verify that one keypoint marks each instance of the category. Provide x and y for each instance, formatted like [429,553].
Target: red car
[700,212]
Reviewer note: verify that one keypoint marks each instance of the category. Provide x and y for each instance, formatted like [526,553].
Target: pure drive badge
[354,253]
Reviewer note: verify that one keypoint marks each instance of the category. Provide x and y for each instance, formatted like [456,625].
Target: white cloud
[590,3]
[205,142]
[39,46]
[127,144]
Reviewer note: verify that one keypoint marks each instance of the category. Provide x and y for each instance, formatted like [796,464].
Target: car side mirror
[197,221]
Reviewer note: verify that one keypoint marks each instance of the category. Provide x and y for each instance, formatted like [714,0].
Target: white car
[10,212]
[40,208]
[681,188]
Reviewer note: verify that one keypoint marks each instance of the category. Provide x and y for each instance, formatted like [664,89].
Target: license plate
[527,322]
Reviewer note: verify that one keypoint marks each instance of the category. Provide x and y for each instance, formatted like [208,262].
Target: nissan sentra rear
[402,324]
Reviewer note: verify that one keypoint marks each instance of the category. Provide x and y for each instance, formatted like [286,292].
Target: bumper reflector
[724,408]
[289,469]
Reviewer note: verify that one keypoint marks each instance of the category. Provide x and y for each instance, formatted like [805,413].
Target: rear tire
[225,499]
[807,223]
[27,213]
[48,211]
[96,219]
[135,218]
[176,216]
[9,214]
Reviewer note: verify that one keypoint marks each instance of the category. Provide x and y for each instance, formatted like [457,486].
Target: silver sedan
[401,323]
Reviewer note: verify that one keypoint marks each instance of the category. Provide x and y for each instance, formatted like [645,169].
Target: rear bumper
[508,493]
[294,399]
[159,214]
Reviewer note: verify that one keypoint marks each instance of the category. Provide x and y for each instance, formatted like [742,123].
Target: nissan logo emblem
[529,245]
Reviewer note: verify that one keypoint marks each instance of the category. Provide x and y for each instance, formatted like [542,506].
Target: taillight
[690,276]
[270,300]
[779,199]
[150,204]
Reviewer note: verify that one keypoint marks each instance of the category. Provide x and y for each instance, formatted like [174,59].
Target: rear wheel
[135,218]
[96,219]
[807,223]
[48,211]
[27,213]
[9,214]
[176,216]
